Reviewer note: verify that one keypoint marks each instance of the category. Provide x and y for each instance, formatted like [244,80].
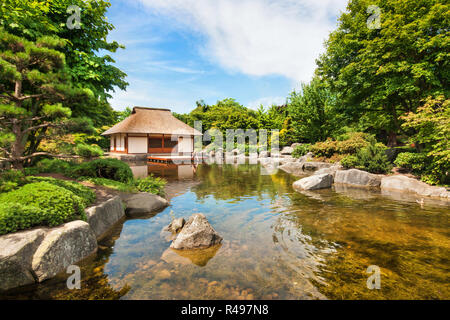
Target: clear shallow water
[278,244]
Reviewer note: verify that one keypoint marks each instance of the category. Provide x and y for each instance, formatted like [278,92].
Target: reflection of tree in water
[231,181]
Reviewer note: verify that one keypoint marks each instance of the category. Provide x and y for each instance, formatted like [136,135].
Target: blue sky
[181,51]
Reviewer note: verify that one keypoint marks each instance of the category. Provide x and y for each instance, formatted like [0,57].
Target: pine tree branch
[44,125]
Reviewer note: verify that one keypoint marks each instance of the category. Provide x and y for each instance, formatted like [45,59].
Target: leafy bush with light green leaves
[16,216]
[113,169]
[414,162]
[53,205]
[151,184]
[301,150]
[88,151]
[85,194]
[371,158]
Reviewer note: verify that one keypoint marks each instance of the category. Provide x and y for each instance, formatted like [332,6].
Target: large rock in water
[197,233]
[405,184]
[62,247]
[16,255]
[142,203]
[320,181]
[357,177]
[102,217]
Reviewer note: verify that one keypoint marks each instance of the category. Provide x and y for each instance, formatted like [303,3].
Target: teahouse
[152,131]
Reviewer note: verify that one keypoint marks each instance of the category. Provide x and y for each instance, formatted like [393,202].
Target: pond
[278,244]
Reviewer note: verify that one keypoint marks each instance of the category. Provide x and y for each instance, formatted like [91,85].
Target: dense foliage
[371,158]
[151,184]
[86,195]
[379,74]
[103,168]
[301,150]
[43,203]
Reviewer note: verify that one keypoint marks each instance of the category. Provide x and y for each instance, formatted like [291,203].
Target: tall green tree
[380,74]
[87,49]
[312,112]
[34,92]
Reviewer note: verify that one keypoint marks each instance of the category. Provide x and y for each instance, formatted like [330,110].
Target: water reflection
[278,244]
[168,171]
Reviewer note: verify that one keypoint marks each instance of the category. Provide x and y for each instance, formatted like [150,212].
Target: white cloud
[257,37]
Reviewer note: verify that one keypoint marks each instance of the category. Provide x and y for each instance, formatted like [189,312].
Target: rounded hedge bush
[88,151]
[86,194]
[57,205]
[104,168]
[15,217]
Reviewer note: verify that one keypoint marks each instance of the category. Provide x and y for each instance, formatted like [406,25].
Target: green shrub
[349,143]
[56,205]
[350,161]
[104,168]
[151,184]
[10,180]
[15,217]
[301,150]
[371,158]
[86,194]
[52,166]
[414,162]
[324,149]
[88,151]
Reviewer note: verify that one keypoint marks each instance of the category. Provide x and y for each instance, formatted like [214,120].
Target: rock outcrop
[287,151]
[197,233]
[61,247]
[314,182]
[331,170]
[142,203]
[355,177]
[16,255]
[294,168]
[315,165]
[404,184]
[102,217]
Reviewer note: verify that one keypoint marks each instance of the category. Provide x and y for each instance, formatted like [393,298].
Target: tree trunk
[392,139]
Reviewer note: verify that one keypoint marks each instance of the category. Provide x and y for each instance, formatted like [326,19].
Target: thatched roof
[152,120]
